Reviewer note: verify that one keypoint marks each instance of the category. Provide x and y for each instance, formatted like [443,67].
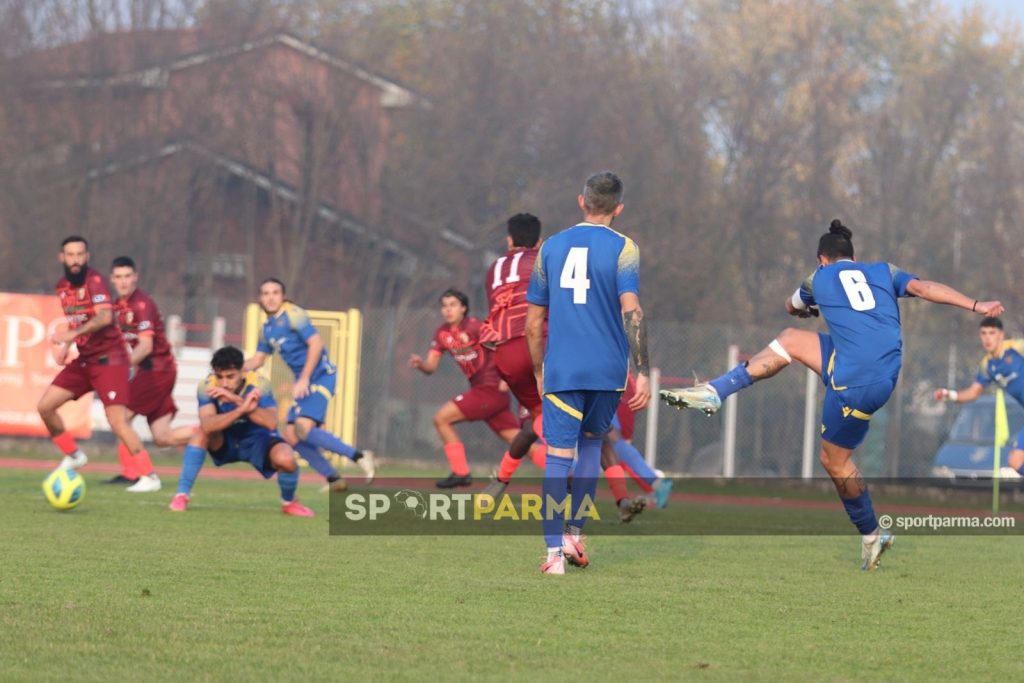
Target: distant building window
[229,265]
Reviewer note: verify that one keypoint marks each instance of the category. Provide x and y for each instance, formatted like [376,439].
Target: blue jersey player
[1003,366]
[238,421]
[586,282]
[289,332]
[858,360]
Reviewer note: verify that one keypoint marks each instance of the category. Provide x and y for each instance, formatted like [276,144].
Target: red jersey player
[155,371]
[102,364]
[507,280]
[485,400]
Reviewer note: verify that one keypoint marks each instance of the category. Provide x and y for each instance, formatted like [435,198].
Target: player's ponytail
[836,227]
[837,242]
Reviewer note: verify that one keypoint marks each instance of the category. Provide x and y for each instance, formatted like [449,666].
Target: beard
[76,279]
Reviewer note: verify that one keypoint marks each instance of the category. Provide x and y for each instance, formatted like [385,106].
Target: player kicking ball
[238,420]
[859,361]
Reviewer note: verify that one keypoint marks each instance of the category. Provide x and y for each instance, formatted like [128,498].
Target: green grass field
[120,588]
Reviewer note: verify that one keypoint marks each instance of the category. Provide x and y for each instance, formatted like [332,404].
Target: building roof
[330,214]
[73,72]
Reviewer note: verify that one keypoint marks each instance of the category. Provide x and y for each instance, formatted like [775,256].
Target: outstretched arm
[971,393]
[938,293]
[636,333]
[426,366]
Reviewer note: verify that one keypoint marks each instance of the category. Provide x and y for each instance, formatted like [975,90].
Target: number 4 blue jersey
[579,275]
[858,301]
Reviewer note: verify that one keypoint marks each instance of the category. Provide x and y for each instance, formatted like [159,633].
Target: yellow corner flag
[1002,436]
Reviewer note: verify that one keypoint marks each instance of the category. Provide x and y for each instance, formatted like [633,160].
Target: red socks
[127,462]
[539,454]
[508,467]
[644,486]
[616,481]
[456,454]
[65,442]
[143,465]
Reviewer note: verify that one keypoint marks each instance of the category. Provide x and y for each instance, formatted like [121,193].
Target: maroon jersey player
[507,280]
[102,364]
[485,400]
[151,387]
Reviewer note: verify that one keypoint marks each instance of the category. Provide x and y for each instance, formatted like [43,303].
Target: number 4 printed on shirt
[574,274]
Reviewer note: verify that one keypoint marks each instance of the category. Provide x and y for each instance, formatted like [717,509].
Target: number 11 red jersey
[507,280]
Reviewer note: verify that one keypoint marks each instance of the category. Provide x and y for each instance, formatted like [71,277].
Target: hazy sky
[1013,8]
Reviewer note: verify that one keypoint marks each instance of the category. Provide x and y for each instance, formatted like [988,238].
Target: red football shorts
[110,382]
[515,367]
[151,394]
[489,404]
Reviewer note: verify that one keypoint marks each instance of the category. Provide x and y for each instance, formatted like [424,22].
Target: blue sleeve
[807,291]
[900,280]
[628,277]
[982,377]
[538,293]
[261,344]
[299,321]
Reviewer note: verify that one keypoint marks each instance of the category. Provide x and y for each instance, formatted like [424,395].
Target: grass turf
[120,588]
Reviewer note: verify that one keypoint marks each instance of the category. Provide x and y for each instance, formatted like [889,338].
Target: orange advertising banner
[27,366]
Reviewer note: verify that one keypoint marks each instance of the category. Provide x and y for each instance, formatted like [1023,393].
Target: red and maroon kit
[508,278]
[484,400]
[102,363]
[153,384]
[627,418]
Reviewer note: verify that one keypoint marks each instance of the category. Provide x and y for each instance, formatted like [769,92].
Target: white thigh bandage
[777,348]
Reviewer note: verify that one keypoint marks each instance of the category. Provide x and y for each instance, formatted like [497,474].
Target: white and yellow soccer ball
[64,489]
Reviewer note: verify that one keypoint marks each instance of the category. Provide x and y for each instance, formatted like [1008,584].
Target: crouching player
[238,420]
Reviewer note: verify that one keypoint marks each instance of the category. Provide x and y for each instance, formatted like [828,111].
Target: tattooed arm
[636,333]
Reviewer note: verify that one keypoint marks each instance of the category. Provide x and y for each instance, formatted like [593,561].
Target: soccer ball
[64,489]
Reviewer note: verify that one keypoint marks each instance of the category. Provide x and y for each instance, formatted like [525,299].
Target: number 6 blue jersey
[579,275]
[858,301]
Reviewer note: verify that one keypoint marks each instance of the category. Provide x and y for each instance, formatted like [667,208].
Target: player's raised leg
[53,398]
[792,344]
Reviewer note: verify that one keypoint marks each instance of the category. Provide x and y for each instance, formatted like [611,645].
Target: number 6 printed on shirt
[858,291]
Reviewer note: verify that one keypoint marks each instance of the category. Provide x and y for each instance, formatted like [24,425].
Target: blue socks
[555,489]
[191,463]
[329,442]
[316,460]
[288,482]
[584,479]
[732,381]
[861,513]
[631,457]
